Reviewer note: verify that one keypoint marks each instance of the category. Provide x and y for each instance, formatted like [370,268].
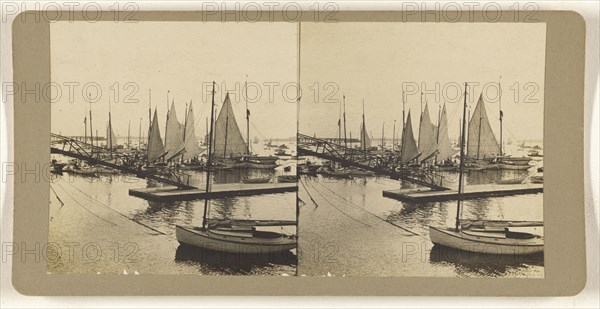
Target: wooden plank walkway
[471,192]
[171,193]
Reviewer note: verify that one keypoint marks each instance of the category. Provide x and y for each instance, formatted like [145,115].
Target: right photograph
[420,149]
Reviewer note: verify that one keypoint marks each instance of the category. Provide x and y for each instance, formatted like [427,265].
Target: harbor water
[347,228]
[97,227]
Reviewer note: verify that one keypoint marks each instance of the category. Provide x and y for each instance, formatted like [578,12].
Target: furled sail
[190,142]
[443,140]
[481,139]
[155,144]
[365,140]
[173,136]
[228,137]
[409,145]
[427,138]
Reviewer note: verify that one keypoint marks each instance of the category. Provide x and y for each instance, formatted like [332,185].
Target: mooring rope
[376,216]
[92,199]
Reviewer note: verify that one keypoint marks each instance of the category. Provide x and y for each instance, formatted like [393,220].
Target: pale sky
[179,57]
[373,60]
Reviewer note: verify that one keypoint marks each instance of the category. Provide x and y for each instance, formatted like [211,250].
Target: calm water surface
[101,229]
[347,228]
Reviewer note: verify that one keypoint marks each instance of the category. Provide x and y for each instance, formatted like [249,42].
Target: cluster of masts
[433,144]
[180,143]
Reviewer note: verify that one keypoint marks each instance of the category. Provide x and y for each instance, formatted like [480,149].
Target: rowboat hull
[237,243]
[487,244]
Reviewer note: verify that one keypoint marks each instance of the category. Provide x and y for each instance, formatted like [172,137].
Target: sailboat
[232,236]
[365,140]
[251,160]
[191,150]
[408,149]
[444,146]
[174,145]
[427,141]
[155,149]
[490,237]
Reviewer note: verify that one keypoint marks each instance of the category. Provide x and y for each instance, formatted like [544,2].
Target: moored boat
[287,178]
[488,237]
[257,180]
[232,238]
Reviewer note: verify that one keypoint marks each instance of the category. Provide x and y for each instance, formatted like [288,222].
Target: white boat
[253,241]
[225,235]
[488,237]
[489,242]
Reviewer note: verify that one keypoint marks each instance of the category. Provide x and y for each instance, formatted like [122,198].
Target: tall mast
[363,133]
[85,127]
[500,113]
[340,125]
[382,134]
[345,139]
[167,122]
[394,135]
[403,125]
[128,134]
[247,115]
[91,129]
[437,138]
[209,159]
[140,135]
[110,130]
[479,130]
[226,129]
[462,162]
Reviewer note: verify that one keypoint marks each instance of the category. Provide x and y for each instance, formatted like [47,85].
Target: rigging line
[376,216]
[58,198]
[309,195]
[108,207]
[337,208]
[74,200]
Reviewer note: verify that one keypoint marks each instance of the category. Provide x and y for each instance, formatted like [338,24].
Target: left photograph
[173,148]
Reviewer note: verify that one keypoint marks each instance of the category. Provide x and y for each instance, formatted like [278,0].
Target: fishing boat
[57,167]
[287,178]
[231,150]
[482,147]
[534,153]
[445,151]
[226,235]
[489,237]
[266,179]
[281,152]
[536,179]
[510,181]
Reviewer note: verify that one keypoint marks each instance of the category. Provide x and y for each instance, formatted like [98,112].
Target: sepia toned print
[134,190]
[421,150]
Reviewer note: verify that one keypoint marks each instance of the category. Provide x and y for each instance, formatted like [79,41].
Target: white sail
[427,138]
[111,138]
[190,142]
[155,144]
[409,145]
[444,145]
[365,140]
[173,136]
[482,142]
[229,141]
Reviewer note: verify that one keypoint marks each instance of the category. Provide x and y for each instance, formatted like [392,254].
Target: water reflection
[477,264]
[209,261]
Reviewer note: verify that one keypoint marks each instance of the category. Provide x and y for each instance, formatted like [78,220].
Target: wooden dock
[470,192]
[171,193]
